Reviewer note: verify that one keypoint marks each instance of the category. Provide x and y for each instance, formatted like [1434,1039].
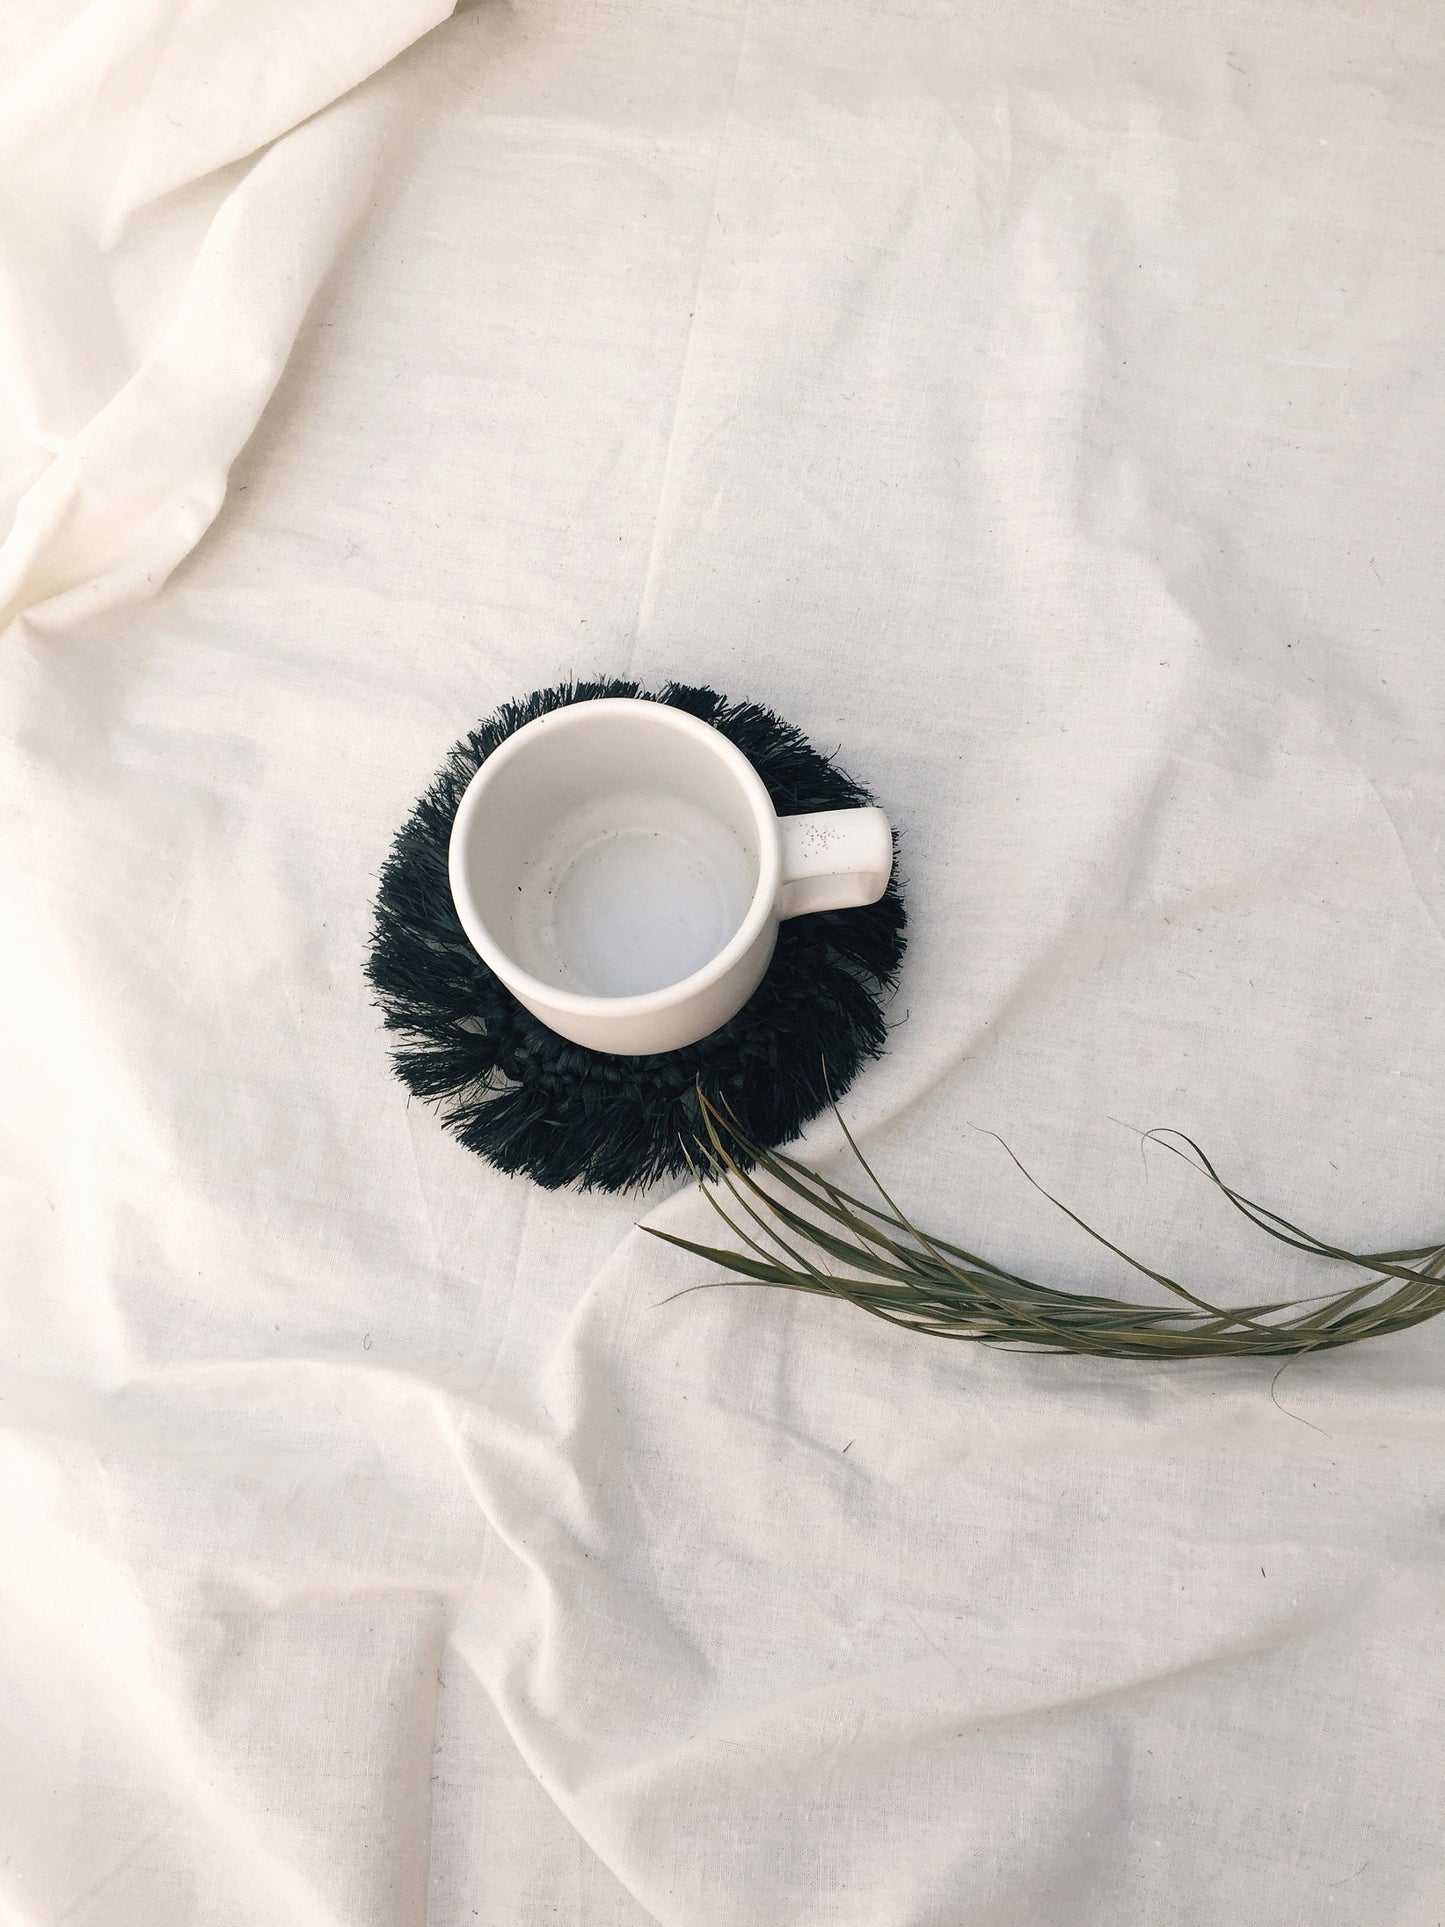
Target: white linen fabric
[1043,403]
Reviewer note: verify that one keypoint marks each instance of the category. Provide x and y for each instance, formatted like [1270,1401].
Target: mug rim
[577,1003]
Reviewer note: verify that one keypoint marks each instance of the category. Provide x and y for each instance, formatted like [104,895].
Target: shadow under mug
[620,866]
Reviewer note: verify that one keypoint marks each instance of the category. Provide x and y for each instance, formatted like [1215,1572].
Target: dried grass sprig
[809,1234]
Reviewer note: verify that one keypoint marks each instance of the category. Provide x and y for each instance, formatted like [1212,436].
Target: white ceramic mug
[620,867]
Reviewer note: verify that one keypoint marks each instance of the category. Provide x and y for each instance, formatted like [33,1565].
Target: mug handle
[834,860]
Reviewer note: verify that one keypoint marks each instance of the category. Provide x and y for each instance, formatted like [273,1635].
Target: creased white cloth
[1044,405]
[137,365]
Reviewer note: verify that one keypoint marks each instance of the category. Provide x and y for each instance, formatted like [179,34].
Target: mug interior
[613,855]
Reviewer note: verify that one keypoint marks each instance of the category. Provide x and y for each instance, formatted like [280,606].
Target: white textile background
[1044,404]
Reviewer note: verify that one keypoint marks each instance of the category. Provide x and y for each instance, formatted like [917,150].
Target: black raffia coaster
[529,1101]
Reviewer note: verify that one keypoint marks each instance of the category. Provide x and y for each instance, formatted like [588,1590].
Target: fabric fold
[107,140]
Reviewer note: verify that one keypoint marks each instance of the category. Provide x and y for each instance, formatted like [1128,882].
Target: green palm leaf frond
[801,1232]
